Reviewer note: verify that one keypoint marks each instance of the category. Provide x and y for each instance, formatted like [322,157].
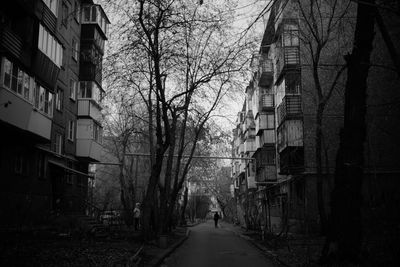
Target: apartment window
[71,130]
[52,5]
[59,99]
[75,50]
[58,144]
[7,72]
[44,100]
[64,10]
[50,46]
[97,133]
[72,89]
[92,14]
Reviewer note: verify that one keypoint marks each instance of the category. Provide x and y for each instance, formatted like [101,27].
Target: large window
[50,46]
[52,5]
[17,80]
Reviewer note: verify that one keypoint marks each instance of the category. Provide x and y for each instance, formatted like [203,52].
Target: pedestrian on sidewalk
[216,218]
[136,216]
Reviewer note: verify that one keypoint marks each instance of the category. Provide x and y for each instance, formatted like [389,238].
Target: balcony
[264,121]
[90,72]
[45,69]
[289,59]
[89,108]
[249,145]
[290,134]
[88,140]
[266,73]
[291,160]
[250,133]
[22,114]
[267,137]
[90,36]
[267,102]
[95,15]
[289,108]
[266,174]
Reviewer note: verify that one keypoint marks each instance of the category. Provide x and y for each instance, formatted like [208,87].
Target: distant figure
[216,218]
[136,216]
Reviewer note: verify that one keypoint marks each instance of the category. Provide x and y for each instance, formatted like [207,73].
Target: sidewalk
[293,251]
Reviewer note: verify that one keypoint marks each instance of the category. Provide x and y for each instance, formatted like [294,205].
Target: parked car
[111,217]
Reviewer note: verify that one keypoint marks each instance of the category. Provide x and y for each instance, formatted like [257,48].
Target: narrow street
[209,246]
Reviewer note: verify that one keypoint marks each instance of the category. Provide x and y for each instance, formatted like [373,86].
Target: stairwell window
[58,145]
[71,130]
[75,50]
[72,89]
[59,99]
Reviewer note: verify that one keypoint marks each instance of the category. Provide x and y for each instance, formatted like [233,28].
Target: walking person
[216,218]
[136,216]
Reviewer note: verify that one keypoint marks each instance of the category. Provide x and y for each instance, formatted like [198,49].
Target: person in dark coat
[216,218]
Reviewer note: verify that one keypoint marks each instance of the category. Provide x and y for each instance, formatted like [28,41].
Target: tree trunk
[320,178]
[185,201]
[346,197]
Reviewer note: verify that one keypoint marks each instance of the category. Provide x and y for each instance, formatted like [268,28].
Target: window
[72,89]
[75,50]
[290,35]
[58,144]
[52,5]
[49,46]
[292,83]
[59,99]
[97,133]
[270,121]
[17,80]
[44,100]
[64,10]
[71,130]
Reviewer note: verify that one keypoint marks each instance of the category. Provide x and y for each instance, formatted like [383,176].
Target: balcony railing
[289,108]
[266,101]
[290,134]
[288,59]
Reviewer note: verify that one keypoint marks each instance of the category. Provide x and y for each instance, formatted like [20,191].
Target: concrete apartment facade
[276,127]
[50,114]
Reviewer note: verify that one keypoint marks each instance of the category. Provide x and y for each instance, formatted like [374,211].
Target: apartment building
[282,108]
[50,106]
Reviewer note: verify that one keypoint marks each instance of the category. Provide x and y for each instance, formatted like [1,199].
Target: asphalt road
[208,246]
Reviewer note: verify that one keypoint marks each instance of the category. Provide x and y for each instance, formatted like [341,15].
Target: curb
[168,252]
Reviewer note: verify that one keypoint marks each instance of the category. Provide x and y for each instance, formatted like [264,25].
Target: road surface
[208,246]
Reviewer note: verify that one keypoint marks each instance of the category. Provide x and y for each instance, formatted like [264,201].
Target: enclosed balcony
[23,115]
[89,99]
[267,137]
[266,72]
[291,160]
[266,174]
[95,15]
[290,108]
[88,140]
[264,121]
[250,145]
[290,134]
